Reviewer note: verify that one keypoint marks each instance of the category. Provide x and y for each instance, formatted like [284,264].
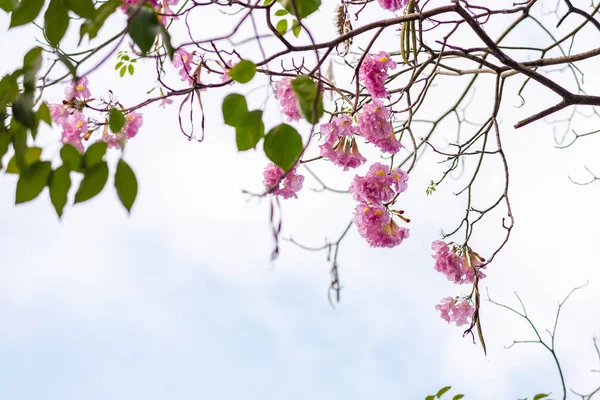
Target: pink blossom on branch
[373,73]
[374,126]
[288,187]
[379,185]
[452,310]
[393,5]
[74,126]
[340,146]
[287,99]
[78,89]
[377,227]
[454,265]
[182,60]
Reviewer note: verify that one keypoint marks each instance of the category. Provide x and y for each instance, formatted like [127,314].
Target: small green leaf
[32,155]
[43,114]
[304,7]
[243,72]
[235,109]
[443,390]
[458,397]
[540,396]
[8,5]
[32,63]
[22,109]
[306,91]
[25,12]
[267,2]
[131,69]
[126,184]
[432,397]
[116,120]
[119,65]
[123,70]
[92,183]
[282,26]
[281,13]
[56,21]
[143,27]
[32,182]
[71,157]
[296,28]
[248,134]
[283,145]
[59,185]
[94,154]
[83,8]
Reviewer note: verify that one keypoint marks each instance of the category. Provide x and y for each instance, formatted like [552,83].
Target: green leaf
[123,70]
[93,182]
[540,396]
[281,13]
[267,2]
[235,109]
[71,157]
[59,185]
[93,25]
[32,155]
[94,154]
[248,134]
[306,90]
[32,63]
[458,397]
[5,139]
[296,28]
[119,65]
[19,140]
[443,390]
[283,145]
[143,27]
[43,114]
[25,12]
[116,120]
[131,69]
[126,184]
[432,397]
[83,8]
[304,7]
[166,36]
[32,182]
[282,26]
[8,5]
[22,109]
[56,21]
[243,72]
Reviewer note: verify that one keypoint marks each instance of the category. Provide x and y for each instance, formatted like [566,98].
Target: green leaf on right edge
[32,182]
[248,134]
[25,12]
[116,120]
[305,90]
[304,7]
[71,157]
[443,390]
[83,8]
[93,182]
[243,72]
[143,27]
[234,109]
[59,185]
[56,22]
[126,184]
[283,145]
[94,154]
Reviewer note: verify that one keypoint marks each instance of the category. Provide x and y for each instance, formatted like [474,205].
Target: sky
[180,299]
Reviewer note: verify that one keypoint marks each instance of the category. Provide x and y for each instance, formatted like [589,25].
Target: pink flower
[340,147]
[392,5]
[165,102]
[113,141]
[133,122]
[74,126]
[376,226]
[78,89]
[453,265]
[167,12]
[182,60]
[288,187]
[59,113]
[379,185]
[373,73]
[287,99]
[374,126]
[453,311]
[225,77]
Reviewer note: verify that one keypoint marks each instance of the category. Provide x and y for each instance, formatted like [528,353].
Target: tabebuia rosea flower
[373,73]
[393,5]
[182,60]
[377,227]
[340,146]
[288,187]
[78,89]
[452,310]
[133,123]
[455,265]
[374,126]
[287,99]
[379,185]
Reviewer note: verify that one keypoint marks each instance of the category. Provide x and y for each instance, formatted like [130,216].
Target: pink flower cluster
[73,123]
[182,60]
[340,146]
[374,126]
[287,99]
[452,310]
[374,223]
[133,123]
[454,266]
[288,187]
[373,73]
[78,90]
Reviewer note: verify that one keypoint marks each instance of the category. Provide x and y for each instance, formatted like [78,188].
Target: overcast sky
[180,300]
